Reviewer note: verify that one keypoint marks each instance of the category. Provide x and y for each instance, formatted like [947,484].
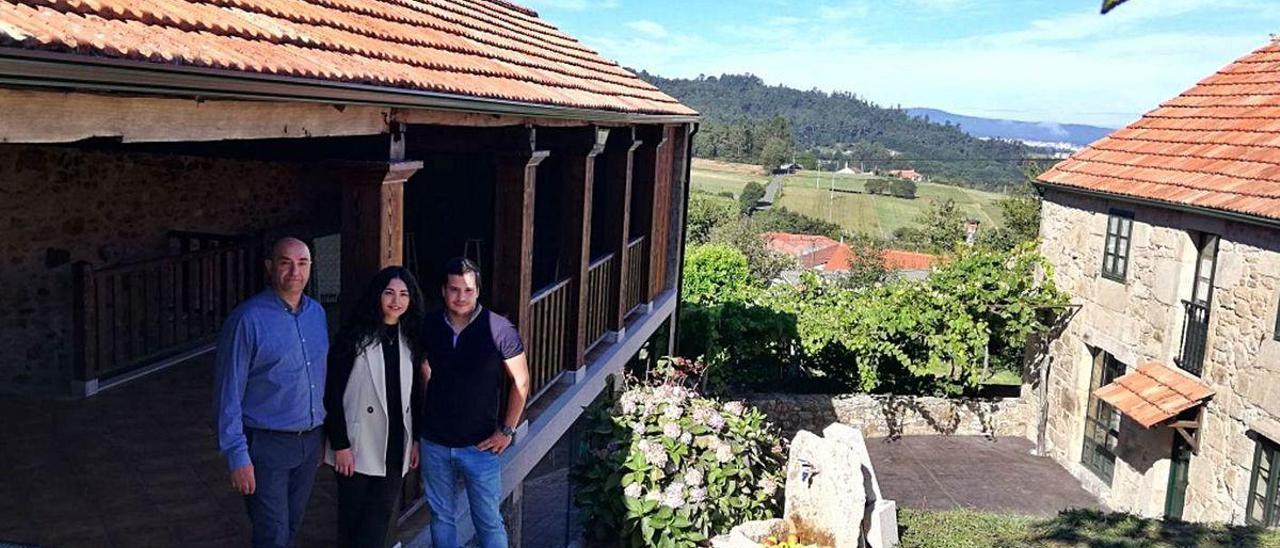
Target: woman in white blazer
[371,392]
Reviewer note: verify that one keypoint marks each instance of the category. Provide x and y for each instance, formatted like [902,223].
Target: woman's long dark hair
[364,322]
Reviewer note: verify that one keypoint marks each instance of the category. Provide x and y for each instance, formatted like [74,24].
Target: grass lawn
[715,182]
[879,215]
[1072,528]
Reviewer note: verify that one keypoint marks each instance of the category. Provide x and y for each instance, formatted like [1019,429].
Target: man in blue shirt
[269,395]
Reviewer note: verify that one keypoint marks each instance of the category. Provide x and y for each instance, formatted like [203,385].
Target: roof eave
[1198,210]
[68,71]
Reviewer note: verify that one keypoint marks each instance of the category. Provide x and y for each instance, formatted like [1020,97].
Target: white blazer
[365,405]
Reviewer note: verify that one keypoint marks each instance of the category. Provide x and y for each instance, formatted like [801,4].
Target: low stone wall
[884,416]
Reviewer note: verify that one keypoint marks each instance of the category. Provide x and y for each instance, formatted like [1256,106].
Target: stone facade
[884,416]
[1141,319]
[62,205]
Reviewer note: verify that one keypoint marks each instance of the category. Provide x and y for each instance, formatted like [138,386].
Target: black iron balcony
[1195,333]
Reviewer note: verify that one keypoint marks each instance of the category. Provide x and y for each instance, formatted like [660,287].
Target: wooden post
[515,177]
[85,322]
[372,220]
[657,174]
[619,153]
[577,149]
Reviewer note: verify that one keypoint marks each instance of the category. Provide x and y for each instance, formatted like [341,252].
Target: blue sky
[1045,60]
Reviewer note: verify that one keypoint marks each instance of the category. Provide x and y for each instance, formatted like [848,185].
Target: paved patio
[135,466]
[947,472]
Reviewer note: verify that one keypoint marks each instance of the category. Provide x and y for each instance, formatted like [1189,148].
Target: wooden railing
[636,277]
[128,316]
[548,332]
[599,292]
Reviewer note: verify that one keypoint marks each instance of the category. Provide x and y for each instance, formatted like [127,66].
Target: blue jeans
[481,472]
[284,469]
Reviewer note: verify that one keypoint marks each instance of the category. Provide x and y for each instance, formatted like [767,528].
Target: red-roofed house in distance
[1161,392]
[149,151]
[833,259]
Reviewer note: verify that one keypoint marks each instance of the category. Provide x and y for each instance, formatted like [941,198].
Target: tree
[775,153]
[705,213]
[780,219]
[715,273]
[867,267]
[752,192]
[941,228]
[763,263]
[903,188]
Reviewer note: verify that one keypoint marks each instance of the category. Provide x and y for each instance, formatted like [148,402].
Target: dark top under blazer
[467,375]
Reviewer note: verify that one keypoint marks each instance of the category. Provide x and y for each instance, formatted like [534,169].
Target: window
[1115,256]
[1102,424]
[1264,504]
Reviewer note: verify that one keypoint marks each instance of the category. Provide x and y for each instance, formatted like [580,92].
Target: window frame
[1119,235]
[1271,495]
[1095,455]
[1275,334]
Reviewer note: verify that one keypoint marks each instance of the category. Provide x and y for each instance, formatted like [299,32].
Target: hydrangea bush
[666,467]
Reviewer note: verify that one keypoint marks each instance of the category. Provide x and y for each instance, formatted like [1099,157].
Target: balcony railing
[128,316]
[636,278]
[1195,335]
[548,332]
[599,292]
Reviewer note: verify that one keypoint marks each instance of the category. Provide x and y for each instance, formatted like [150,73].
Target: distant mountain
[1037,132]
[741,115]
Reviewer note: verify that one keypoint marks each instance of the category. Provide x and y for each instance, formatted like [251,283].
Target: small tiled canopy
[1215,146]
[1154,393]
[484,49]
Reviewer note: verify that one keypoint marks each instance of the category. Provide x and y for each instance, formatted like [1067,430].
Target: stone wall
[1141,319]
[61,205]
[883,416]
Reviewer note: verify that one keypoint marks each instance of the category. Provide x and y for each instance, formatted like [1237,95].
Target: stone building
[1162,391]
[148,152]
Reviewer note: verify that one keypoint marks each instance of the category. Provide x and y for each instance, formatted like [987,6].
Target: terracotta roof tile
[479,48]
[1154,393]
[1215,146]
[820,251]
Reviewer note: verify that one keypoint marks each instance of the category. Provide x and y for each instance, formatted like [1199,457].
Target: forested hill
[741,115]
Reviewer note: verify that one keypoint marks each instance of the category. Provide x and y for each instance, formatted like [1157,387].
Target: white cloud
[648,28]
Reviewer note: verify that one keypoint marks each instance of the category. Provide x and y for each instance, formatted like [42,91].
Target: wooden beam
[515,178]
[471,119]
[426,140]
[619,155]
[577,151]
[69,117]
[372,219]
[660,213]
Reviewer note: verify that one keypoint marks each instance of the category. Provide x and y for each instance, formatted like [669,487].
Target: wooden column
[659,199]
[515,174]
[576,150]
[372,219]
[618,160]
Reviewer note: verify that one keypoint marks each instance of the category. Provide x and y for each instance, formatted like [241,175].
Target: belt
[297,433]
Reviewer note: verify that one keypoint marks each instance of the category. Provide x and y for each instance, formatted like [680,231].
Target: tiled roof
[1216,146]
[832,256]
[1154,393]
[486,49]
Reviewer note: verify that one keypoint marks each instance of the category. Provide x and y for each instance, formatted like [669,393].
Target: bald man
[269,395]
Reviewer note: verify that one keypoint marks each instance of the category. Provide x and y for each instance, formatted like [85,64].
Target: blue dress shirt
[269,371]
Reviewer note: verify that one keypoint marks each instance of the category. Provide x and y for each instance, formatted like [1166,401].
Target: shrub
[715,273]
[706,212]
[666,467]
[751,195]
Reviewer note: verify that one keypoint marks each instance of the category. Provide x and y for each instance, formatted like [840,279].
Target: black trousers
[367,508]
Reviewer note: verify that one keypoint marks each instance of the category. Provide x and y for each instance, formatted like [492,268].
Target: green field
[877,214]
[716,182]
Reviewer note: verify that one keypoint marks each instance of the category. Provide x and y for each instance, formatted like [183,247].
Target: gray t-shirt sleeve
[506,338]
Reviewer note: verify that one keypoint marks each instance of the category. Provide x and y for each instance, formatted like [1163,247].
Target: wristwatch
[506,431]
